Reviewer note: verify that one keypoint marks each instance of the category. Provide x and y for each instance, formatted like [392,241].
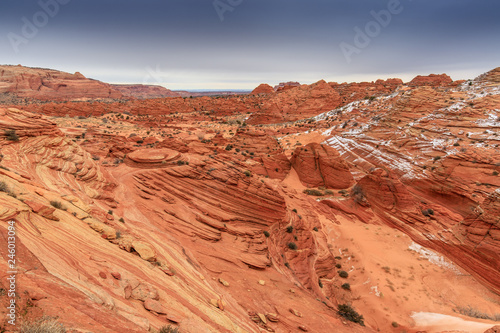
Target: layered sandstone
[47,84]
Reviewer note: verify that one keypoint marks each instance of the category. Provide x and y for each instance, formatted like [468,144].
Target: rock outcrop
[144,91]
[48,84]
[321,166]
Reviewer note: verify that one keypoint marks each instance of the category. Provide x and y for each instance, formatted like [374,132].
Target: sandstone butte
[254,213]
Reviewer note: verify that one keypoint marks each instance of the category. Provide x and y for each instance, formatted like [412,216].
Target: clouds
[257,41]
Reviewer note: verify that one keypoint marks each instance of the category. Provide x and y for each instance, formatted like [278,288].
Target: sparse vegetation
[11,135]
[266,233]
[292,246]
[56,204]
[314,192]
[343,274]
[4,187]
[475,313]
[289,229]
[427,212]
[346,286]
[169,329]
[121,220]
[357,194]
[247,173]
[42,325]
[349,313]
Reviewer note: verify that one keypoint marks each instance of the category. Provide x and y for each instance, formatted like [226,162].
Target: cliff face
[143,91]
[47,84]
[180,211]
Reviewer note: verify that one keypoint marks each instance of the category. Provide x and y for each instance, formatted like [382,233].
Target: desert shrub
[495,173]
[292,246]
[394,324]
[343,274]
[169,329]
[338,265]
[437,158]
[266,233]
[11,135]
[229,147]
[315,192]
[349,313]
[294,210]
[289,229]
[346,286]
[4,187]
[42,325]
[181,162]
[247,173]
[315,228]
[475,313]
[357,193]
[427,212]
[56,204]
[121,220]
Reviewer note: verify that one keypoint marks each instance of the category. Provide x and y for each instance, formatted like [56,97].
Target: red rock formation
[433,80]
[321,166]
[143,91]
[47,84]
[177,211]
[263,89]
[286,85]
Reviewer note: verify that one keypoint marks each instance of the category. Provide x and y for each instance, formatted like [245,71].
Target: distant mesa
[48,84]
[433,80]
[143,91]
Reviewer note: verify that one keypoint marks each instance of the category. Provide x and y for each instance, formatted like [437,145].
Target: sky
[238,44]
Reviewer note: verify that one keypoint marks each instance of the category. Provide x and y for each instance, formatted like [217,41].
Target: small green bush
[346,286]
[427,212]
[4,187]
[56,204]
[11,135]
[169,329]
[289,229]
[247,173]
[349,313]
[343,274]
[314,192]
[266,233]
[292,246]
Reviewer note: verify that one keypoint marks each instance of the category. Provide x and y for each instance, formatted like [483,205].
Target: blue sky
[223,44]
